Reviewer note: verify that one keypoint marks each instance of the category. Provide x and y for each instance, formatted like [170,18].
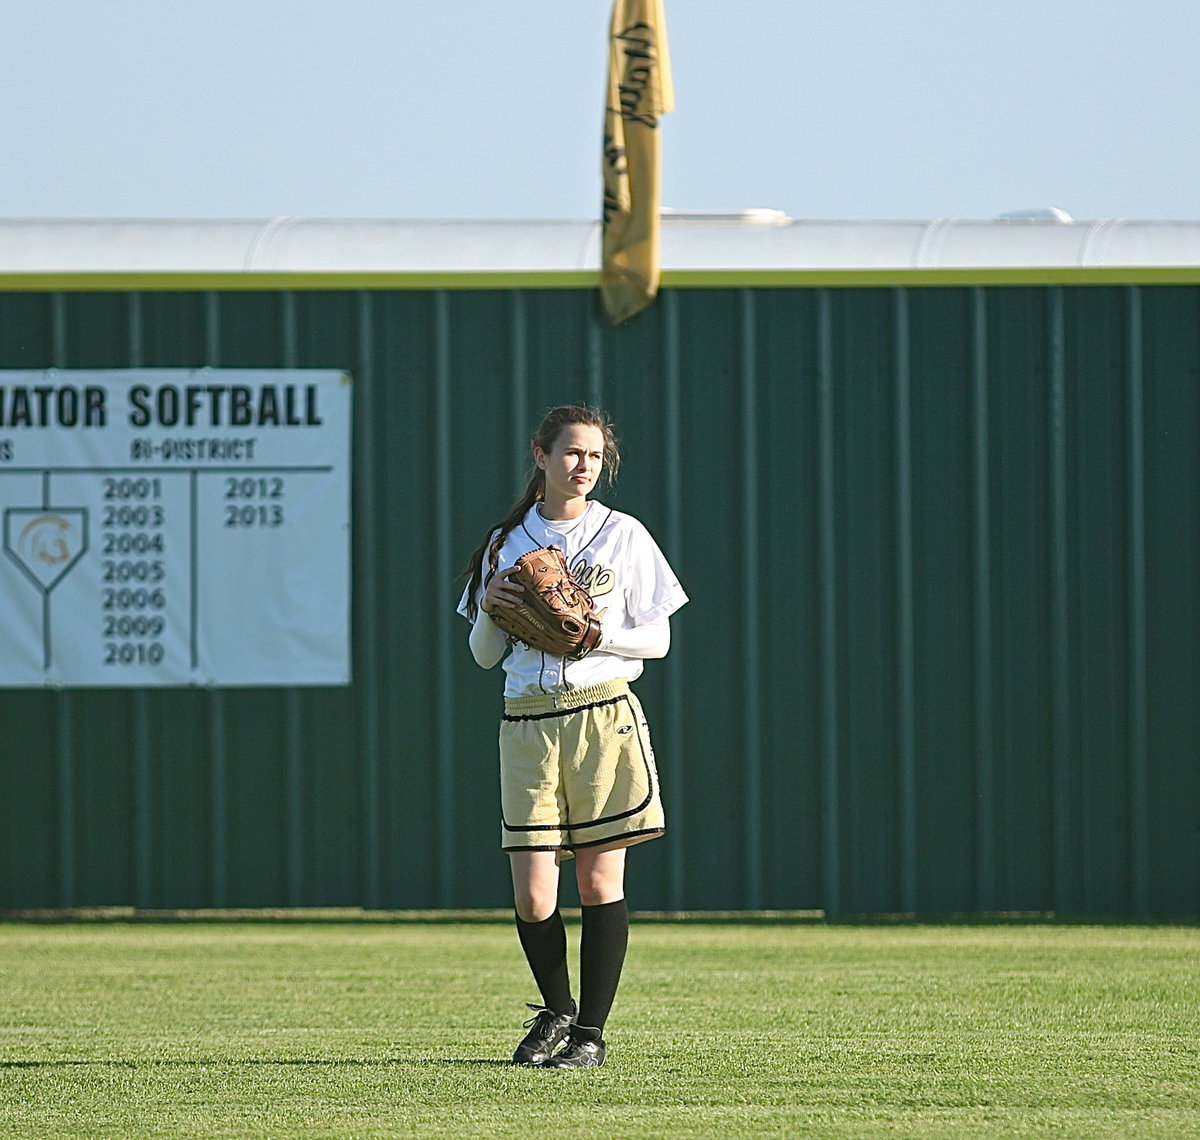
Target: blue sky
[475,109]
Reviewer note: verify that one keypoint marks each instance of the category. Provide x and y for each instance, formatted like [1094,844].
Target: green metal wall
[942,654]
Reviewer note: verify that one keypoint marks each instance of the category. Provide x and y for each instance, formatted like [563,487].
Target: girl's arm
[488,641]
[647,641]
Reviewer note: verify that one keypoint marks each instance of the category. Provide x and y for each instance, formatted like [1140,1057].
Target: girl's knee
[597,888]
[597,894]
[535,885]
[535,900]
[535,908]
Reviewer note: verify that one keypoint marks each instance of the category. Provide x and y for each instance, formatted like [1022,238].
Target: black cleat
[584,1050]
[546,1030]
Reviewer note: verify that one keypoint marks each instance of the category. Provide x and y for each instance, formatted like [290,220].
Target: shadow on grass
[228,1062]
[352,916]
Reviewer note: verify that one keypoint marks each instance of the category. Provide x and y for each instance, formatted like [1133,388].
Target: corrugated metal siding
[943,650]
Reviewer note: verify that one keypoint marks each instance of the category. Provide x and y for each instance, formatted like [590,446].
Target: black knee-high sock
[545,946]
[603,941]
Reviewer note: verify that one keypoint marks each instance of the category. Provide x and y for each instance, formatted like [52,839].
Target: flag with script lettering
[639,93]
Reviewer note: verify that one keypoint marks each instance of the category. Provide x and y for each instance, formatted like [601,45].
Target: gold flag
[639,92]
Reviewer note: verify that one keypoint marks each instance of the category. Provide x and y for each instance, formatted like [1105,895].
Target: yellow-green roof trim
[140,281]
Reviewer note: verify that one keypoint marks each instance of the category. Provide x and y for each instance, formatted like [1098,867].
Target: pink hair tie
[533,443]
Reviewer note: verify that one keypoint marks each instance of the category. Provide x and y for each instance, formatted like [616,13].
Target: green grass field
[720,1030]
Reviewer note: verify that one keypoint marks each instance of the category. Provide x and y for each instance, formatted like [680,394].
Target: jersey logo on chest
[597,580]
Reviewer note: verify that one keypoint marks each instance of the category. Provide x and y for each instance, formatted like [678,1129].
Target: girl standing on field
[577,773]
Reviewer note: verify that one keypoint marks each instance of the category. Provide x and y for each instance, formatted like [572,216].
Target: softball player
[577,772]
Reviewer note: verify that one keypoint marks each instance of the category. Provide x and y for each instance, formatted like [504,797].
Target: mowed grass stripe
[720,1029]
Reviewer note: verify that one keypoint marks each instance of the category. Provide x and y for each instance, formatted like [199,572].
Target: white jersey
[614,558]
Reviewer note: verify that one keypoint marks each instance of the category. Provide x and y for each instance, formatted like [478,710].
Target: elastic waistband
[572,700]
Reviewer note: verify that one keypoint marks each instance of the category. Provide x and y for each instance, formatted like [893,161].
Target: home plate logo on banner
[45,543]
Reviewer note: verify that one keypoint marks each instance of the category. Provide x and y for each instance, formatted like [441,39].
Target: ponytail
[493,540]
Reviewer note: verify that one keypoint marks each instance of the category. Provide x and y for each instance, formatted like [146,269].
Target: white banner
[175,527]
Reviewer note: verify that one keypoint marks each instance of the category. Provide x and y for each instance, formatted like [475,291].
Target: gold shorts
[577,770]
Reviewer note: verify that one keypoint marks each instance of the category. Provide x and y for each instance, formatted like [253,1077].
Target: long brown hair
[535,490]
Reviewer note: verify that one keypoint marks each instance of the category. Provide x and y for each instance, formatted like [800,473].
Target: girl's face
[573,463]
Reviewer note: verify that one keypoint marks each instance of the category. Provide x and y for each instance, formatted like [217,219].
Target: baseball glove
[555,614]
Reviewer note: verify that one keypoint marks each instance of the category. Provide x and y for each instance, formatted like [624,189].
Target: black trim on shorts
[592,842]
[565,712]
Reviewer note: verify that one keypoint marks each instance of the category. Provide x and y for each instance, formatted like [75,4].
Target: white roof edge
[747,240]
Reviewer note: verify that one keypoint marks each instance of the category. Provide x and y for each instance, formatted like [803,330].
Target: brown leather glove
[555,613]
